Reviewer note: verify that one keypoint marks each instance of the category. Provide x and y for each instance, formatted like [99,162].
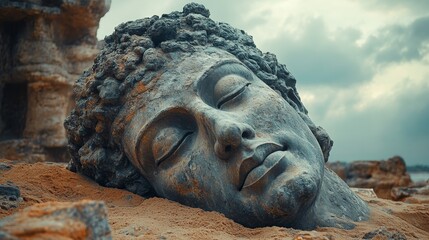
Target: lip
[263,158]
[258,175]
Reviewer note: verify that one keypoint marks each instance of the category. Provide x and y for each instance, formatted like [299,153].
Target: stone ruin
[44,46]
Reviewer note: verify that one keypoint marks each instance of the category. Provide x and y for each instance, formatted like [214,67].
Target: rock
[382,176]
[44,47]
[10,196]
[4,166]
[384,233]
[367,192]
[58,220]
[9,189]
[415,193]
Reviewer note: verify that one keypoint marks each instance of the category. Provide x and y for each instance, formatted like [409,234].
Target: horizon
[366,79]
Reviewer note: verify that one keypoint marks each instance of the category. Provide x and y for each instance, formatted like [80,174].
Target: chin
[292,197]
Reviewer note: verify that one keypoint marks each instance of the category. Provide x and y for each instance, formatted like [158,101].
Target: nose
[229,137]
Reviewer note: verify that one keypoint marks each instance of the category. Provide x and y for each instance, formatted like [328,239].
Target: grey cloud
[396,43]
[316,59]
[399,127]
[415,6]
[413,115]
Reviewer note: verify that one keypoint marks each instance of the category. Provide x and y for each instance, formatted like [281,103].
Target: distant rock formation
[415,193]
[44,47]
[58,220]
[382,176]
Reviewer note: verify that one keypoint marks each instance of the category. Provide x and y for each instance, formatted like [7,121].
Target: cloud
[397,43]
[383,117]
[414,6]
[384,131]
[316,56]
[413,114]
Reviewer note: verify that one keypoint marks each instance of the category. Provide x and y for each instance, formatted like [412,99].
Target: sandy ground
[133,217]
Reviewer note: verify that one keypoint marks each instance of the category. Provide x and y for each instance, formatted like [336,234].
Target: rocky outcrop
[44,47]
[55,220]
[382,176]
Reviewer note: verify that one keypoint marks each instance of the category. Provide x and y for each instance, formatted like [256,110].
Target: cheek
[177,185]
[269,111]
[272,113]
[187,180]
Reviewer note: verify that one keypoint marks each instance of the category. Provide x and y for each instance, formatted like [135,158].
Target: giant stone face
[188,109]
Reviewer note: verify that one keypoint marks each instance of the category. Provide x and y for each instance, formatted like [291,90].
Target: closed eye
[231,95]
[172,149]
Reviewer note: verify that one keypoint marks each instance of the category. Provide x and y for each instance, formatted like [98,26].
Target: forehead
[180,78]
[187,68]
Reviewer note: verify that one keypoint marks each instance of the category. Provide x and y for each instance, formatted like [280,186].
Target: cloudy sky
[362,65]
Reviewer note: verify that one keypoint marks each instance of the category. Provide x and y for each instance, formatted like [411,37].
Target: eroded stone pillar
[44,47]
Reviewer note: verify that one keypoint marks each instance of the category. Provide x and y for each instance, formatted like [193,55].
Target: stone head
[189,109]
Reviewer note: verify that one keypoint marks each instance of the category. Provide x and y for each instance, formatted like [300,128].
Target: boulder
[384,233]
[58,220]
[10,196]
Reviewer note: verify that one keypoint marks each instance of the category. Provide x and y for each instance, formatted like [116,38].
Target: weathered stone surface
[10,196]
[23,150]
[27,150]
[367,192]
[382,175]
[9,189]
[384,233]
[55,220]
[4,166]
[44,47]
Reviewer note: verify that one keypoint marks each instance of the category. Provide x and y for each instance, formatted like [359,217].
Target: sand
[133,217]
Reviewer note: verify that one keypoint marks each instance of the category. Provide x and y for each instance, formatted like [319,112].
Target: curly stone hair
[131,56]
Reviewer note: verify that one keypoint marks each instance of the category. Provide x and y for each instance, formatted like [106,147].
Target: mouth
[264,160]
